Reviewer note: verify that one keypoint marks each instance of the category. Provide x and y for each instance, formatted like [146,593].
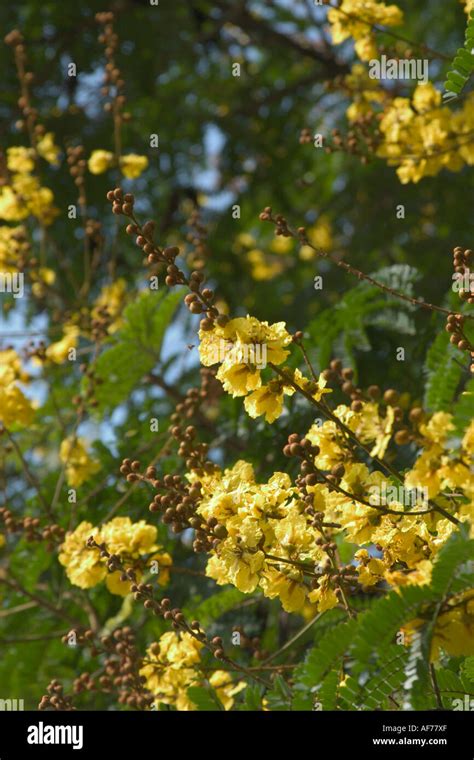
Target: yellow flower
[421,136]
[370,569]
[15,408]
[180,651]
[41,205]
[164,562]
[79,466]
[83,565]
[171,669]
[425,473]
[2,540]
[11,207]
[13,247]
[20,159]
[41,277]
[437,429]
[316,389]
[354,18]
[116,586]
[48,150]
[292,531]
[419,576]
[331,443]
[263,267]
[426,97]
[122,536]
[291,591]
[265,401]
[112,298]
[225,687]
[259,520]
[133,165]
[26,196]
[59,351]
[281,244]
[234,564]
[454,630]
[100,161]
[371,427]
[366,92]
[243,347]
[238,379]
[324,596]
[10,358]
[404,540]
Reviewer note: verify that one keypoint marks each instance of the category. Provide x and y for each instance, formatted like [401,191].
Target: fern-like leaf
[463,64]
[443,373]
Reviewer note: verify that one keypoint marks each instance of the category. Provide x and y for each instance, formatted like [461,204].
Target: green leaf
[279,697]
[386,679]
[458,549]
[443,374]
[462,66]
[378,627]
[205,698]
[137,347]
[463,411]
[253,698]
[468,668]
[322,657]
[216,605]
[451,687]
[329,691]
[342,329]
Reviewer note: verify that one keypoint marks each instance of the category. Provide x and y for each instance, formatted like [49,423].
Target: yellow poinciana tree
[265,526]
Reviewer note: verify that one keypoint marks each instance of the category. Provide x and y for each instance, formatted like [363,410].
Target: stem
[362,276]
[30,477]
[294,638]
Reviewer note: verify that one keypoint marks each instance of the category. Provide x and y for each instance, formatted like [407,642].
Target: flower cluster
[79,465]
[15,407]
[131,165]
[366,93]
[266,536]
[271,536]
[468,5]
[454,628]
[22,195]
[85,567]
[105,314]
[421,136]
[355,18]
[240,373]
[173,665]
[436,468]
[13,248]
